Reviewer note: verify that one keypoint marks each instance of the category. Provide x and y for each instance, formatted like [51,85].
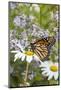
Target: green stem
[26,73]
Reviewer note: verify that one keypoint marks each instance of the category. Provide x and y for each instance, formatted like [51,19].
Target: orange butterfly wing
[40,47]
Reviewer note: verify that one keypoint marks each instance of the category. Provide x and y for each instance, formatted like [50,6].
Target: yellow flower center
[29,53]
[54,68]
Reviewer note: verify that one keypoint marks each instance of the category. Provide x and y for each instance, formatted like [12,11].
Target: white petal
[18,55]
[23,57]
[15,59]
[44,72]
[44,64]
[48,73]
[43,69]
[29,59]
[50,76]
[56,75]
[15,51]
[47,63]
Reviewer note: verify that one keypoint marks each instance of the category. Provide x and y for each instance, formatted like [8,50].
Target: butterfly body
[42,47]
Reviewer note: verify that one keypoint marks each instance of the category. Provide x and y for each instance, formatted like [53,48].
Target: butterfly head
[32,46]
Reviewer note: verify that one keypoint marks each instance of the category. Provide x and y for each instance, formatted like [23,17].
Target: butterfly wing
[41,51]
[48,41]
[42,47]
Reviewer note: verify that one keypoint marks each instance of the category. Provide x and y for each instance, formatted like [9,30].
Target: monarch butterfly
[42,47]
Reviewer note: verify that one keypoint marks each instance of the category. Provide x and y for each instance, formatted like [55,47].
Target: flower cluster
[23,21]
[38,32]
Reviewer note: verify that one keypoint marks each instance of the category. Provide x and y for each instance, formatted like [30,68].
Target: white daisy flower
[49,69]
[22,54]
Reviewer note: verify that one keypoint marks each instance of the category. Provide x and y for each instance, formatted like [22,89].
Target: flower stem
[26,72]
